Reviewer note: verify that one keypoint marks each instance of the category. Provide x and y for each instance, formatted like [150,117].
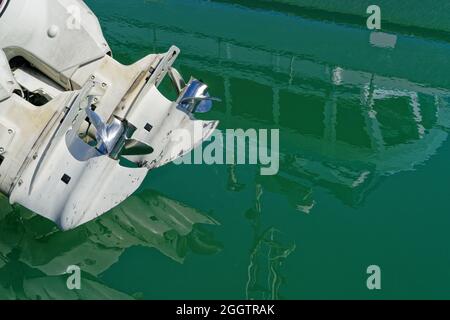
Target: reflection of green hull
[433,15]
[309,78]
[290,45]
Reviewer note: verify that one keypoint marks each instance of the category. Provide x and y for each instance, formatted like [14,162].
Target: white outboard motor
[69,112]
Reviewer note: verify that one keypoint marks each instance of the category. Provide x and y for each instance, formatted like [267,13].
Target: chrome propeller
[114,138]
[196,98]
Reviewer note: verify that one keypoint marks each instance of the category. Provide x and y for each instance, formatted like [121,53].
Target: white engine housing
[69,112]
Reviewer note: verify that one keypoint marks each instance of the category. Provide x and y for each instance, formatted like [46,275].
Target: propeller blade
[196,98]
[204,103]
[107,134]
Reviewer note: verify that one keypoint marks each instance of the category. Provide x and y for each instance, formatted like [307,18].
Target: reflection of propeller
[114,139]
[196,97]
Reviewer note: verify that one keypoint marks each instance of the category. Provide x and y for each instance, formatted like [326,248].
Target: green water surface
[364,175]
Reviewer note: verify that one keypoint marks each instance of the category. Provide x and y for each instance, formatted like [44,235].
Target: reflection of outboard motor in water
[66,121]
[38,254]
[202,242]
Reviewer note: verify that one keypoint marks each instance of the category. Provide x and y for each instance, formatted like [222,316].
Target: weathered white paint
[45,165]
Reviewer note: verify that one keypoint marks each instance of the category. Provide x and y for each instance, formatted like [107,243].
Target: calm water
[364,175]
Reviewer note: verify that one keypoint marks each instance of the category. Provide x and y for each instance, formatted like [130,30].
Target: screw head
[53,31]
